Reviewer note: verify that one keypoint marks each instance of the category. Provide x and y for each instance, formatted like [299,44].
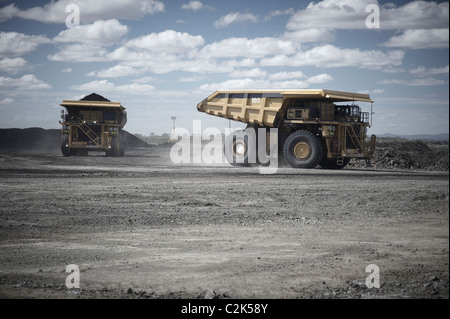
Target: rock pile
[396,153]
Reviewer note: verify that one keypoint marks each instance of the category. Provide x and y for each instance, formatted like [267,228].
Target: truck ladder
[89,133]
[356,140]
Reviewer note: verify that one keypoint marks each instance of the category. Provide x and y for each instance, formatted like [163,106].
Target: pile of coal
[397,153]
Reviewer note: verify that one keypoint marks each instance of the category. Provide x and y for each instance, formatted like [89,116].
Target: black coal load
[95,97]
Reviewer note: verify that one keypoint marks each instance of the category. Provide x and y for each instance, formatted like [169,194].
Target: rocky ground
[141,227]
[397,153]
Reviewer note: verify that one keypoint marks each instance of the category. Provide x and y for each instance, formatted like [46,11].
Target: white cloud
[90,11]
[235,17]
[8,12]
[108,87]
[415,15]
[117,71]
[331,14]
[286,75]
[102,32]
[161,62]
[67,70]
[12,65]
[249,48]
[252,73]
[247,83]
[16,44]
[391,69]
[425,82]
[310,35]
[414,82]
[26,82]
[422,71]
[420,39]
[392,81]
[424,24]
[351,15]
[146,79]
[277,13]
[274,80]
[195,78]
[196,6]
[331,56]
[6,101]
[244,63]
[204,66]
[375,91]
[80,53]
[320,78]
[168,41]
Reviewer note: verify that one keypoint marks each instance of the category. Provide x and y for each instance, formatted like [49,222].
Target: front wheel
[302,149]
[116,148]
[65,150]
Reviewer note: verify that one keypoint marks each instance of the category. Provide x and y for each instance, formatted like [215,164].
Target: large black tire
[302,149]
[239,148]
[64,149]
[117,146]
[332,163]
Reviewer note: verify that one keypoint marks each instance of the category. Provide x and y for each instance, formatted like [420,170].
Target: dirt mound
[132,141]
[405,154]
[35,138]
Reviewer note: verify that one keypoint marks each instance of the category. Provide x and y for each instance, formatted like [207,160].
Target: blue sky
[160,58]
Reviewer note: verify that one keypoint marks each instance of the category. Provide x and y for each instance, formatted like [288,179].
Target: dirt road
[141,227]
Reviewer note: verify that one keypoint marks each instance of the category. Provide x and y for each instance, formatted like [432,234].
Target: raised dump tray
[265,108]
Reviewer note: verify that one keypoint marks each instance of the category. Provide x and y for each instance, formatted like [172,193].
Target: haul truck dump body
[92,124]
[312,128]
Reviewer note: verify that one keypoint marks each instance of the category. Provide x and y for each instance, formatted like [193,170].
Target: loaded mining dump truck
[314,127]
[92,124]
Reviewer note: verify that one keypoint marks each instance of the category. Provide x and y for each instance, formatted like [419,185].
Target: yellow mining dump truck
[92,124]
[315,127]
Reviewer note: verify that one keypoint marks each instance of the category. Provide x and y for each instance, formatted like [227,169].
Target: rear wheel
[302,149]
[238,148]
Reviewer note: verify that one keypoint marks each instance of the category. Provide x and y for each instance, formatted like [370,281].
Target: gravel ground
[141,227]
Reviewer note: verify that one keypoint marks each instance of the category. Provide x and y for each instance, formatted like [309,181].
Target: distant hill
[428,137]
